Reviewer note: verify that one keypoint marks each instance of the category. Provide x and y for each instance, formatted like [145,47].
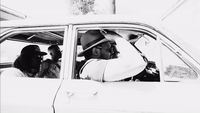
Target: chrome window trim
[68,52]
[176,50]
[7,33]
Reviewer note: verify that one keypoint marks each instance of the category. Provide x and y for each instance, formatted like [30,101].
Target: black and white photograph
[100,56]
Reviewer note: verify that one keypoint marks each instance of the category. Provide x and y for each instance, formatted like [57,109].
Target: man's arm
[128,63]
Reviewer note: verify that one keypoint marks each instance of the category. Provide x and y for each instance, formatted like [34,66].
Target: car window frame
[23,29]
[181,54]
[132,26]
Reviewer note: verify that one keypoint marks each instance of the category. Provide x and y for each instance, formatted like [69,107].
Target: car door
[78,95]
[24,94]
[30,95]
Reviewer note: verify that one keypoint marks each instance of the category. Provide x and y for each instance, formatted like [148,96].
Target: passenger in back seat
[50,68]
[27,64]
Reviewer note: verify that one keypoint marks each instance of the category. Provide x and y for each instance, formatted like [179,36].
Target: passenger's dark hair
[23,63]
[18,64]
[55,47]
[57,50]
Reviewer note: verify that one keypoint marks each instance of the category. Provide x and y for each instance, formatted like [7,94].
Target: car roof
[85,19]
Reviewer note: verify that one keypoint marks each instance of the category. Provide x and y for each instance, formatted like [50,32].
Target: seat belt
[143,56]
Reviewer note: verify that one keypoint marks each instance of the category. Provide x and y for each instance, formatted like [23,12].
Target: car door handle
[92,93]
[70,94]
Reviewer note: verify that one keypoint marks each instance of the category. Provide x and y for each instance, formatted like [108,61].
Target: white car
[177,64]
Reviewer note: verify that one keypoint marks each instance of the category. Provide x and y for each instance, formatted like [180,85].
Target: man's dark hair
[57,50]
[55,47]
[23,63]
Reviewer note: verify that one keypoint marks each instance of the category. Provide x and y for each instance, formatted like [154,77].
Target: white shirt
[13,72]
[129,63]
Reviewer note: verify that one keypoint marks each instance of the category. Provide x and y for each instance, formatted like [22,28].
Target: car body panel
[88,19]
[28,95]
[85,96]
[127,97]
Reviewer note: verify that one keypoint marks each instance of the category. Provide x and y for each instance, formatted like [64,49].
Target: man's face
[52,53]
[55,54]
[108,50]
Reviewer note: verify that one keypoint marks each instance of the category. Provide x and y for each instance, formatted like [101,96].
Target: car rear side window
[15,41]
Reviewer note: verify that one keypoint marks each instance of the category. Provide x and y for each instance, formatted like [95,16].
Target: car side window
[175,69]
[14,42]
[145,44]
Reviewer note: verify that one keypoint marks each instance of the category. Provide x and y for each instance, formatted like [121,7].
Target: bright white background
[52,8]
[37,8]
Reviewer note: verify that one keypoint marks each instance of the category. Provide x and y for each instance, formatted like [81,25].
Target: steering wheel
[150,73]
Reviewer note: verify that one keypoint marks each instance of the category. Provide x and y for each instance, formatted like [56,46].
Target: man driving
[109,57]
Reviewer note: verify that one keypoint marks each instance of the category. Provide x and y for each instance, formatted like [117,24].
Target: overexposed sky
[37,8]
[49,8]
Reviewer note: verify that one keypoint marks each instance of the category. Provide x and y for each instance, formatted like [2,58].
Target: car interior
[174,67]
[141,41]
[16,41]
